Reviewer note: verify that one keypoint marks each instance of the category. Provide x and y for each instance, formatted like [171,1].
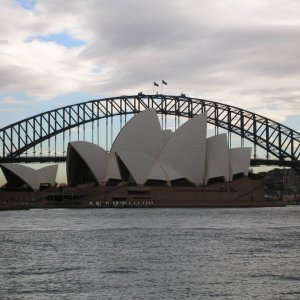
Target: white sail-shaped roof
[141,134]
[217,158]
[239,161]
[142,152]
[166,135]
[112,168]
[158,172]
[26,174]
[171,173]
[49,173]
[30,176]
[142,166]
[94,157]
[185,149]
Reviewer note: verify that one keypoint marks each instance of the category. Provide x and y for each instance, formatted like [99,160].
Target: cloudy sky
[244,53]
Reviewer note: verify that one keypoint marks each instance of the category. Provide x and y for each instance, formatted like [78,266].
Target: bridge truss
[26,140]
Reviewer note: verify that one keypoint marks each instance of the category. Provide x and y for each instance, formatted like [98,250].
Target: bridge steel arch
[277,140]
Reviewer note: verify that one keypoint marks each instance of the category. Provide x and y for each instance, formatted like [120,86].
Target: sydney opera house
[150,166]
[144,154]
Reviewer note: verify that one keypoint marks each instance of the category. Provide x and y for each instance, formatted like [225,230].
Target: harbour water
[150,254]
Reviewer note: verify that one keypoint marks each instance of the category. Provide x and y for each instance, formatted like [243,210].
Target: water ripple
[150,254]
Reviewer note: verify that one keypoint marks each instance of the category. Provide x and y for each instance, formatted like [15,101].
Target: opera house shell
[18,176]
[143,154]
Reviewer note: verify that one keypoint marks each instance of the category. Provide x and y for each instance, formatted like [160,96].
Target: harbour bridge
[44,137]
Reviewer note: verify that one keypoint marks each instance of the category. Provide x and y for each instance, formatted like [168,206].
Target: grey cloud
[229,49]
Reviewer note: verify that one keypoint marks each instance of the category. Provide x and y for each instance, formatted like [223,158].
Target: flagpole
[155,85]
[163,83]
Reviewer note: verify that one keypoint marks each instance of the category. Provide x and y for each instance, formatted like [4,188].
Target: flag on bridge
[156,84]
[164,82]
